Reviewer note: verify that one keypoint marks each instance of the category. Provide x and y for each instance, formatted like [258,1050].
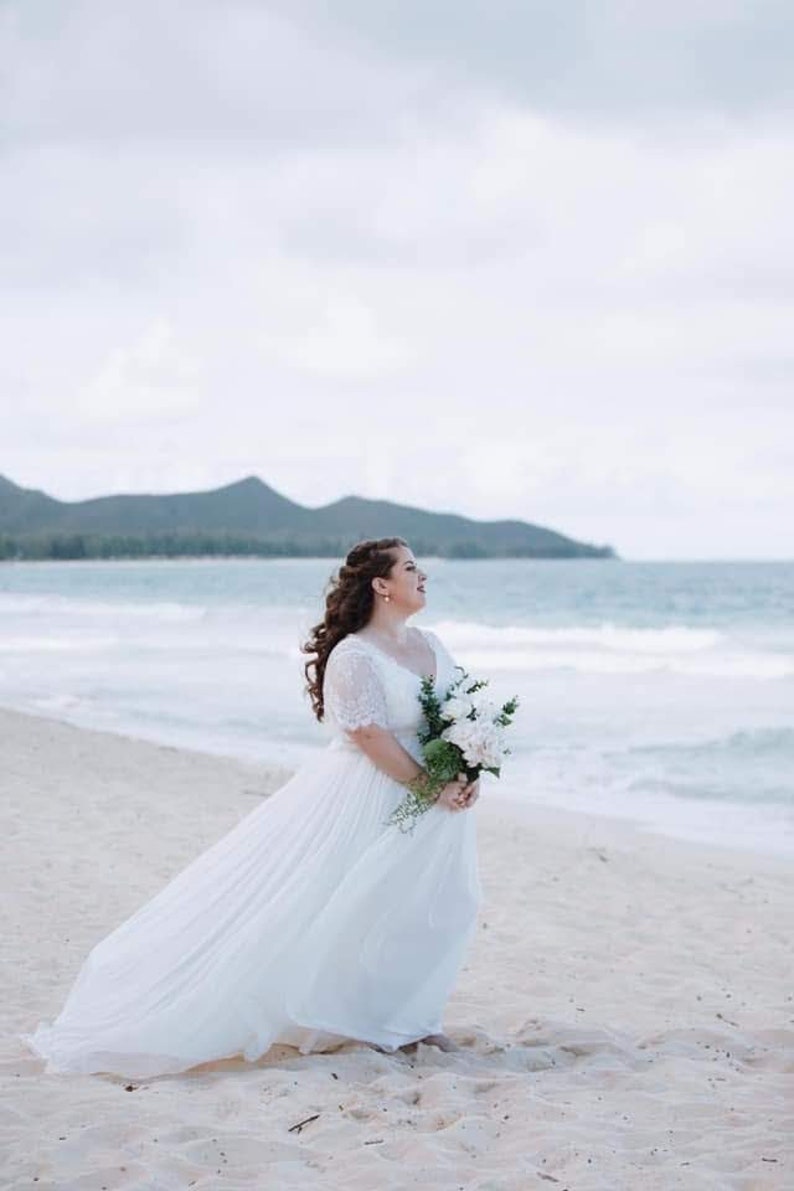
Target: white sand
[625,1015]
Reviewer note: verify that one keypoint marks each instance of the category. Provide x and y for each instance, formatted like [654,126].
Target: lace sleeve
[352,691]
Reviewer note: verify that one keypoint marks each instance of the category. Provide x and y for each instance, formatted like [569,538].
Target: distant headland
[250,518]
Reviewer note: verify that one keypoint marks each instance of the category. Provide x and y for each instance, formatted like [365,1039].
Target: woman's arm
[355,699]
[385,751]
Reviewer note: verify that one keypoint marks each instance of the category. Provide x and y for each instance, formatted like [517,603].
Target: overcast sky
[511,259]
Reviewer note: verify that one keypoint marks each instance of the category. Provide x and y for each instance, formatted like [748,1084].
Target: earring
[386,598]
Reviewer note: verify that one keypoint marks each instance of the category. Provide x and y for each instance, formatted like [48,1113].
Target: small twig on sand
[306,1121]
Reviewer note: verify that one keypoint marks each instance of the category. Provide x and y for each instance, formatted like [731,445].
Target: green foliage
[443,760]
[162,545]
[508,711]
[248,518]
[433,722]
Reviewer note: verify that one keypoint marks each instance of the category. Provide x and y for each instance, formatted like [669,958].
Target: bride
[312,921]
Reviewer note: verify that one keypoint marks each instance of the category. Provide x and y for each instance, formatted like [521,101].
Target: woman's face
[405,584]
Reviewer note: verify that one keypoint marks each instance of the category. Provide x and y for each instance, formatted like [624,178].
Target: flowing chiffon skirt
[310,922]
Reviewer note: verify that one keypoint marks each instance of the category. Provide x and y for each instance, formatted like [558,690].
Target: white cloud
[269,251]
[598,60]
[154,380]
[316,323]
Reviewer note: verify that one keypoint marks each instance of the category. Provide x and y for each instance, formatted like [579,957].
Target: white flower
[484,706]
[480,742]
[457,707]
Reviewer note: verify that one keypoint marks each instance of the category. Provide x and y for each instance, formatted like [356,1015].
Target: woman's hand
[452,795]
[471,793]
[460,794]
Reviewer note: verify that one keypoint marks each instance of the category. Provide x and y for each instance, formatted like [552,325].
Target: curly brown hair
[348,606]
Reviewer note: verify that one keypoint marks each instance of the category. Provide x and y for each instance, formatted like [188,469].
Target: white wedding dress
[310,922]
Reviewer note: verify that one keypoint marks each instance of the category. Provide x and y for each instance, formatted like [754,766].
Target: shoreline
[623,1013]
[495,793]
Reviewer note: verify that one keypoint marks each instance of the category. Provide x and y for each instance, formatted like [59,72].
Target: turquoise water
[661,692]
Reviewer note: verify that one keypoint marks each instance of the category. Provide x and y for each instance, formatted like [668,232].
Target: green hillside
[251,518]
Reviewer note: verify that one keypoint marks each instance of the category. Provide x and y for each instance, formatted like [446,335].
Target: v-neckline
[400,665]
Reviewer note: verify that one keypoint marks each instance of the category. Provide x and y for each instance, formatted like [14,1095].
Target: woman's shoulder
[350,664]
[350,646]
[350,643]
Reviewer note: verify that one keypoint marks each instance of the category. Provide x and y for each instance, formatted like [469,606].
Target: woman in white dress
[313,921]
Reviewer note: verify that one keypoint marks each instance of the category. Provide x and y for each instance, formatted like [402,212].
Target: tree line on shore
[72,546]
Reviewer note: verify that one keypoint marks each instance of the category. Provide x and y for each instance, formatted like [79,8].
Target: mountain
[247,506]
[249,517]
[366,518]
[24,509]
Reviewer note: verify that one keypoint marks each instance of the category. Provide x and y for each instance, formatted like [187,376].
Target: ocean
[658,692]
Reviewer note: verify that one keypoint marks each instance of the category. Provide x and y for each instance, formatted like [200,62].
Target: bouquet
[463,732]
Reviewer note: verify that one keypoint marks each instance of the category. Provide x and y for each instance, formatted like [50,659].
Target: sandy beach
[624,1017]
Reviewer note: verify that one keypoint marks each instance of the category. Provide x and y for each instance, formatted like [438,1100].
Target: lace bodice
[364,685]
